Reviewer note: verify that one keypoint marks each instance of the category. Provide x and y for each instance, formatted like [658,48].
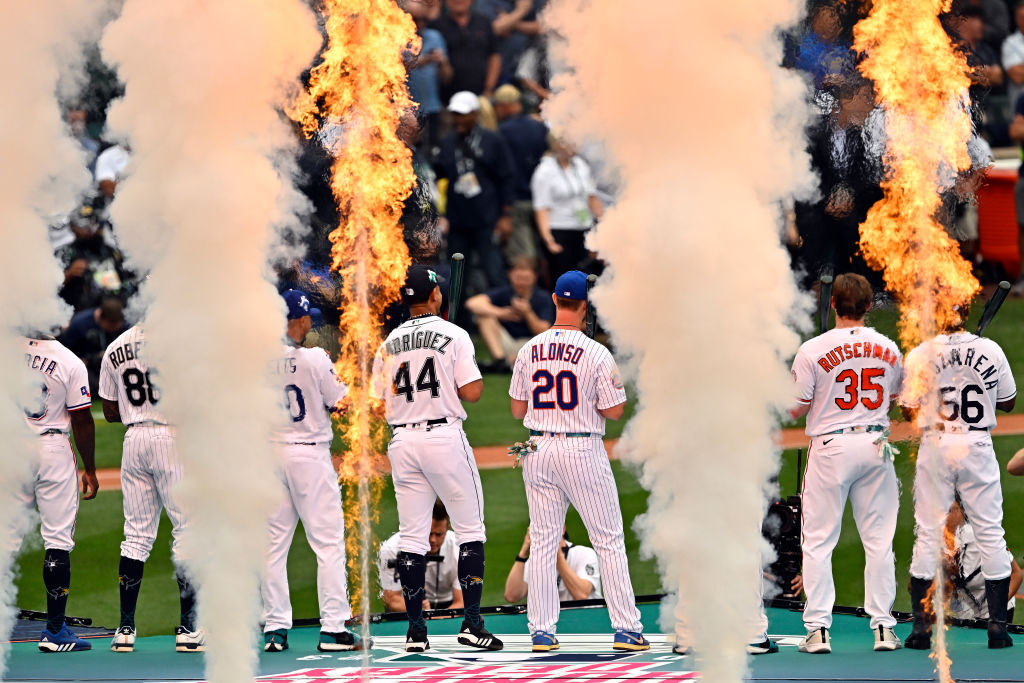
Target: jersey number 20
[426,380]
[567,394]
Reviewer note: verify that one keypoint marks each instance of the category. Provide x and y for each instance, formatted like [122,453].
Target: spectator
[1013,56]
[823,51]
[565,204]
[110,166]
[527,140]
[514,22]
[509,316]
[963,567]
[996,17]
[76,119]
[1017,135]
[579,574]
[477,164]
[91,331]
[967,28]
[441,588]
[427,71]
[472,49]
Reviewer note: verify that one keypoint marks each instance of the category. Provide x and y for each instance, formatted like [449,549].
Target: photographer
[579,575]
[441,588]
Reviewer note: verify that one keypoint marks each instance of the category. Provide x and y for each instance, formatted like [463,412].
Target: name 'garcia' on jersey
[419,339]
[844,352]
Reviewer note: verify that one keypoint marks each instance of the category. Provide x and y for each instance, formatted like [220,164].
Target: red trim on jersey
[804,400]
[81,407]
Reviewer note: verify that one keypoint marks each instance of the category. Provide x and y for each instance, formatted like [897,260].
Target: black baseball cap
[420,281]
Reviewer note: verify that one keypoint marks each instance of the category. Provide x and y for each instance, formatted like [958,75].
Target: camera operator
[579,575]
[441,588]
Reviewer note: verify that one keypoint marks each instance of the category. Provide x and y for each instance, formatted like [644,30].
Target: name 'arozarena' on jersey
[953,356]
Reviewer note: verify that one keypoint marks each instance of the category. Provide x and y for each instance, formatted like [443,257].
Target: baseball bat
[455,285]
[591,315]
[825,303]
[992,307]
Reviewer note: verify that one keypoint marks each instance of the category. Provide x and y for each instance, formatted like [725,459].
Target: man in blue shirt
[428,70]
[527,139]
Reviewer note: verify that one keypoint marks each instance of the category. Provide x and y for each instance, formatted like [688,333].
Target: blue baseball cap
[572,285]
[298,304]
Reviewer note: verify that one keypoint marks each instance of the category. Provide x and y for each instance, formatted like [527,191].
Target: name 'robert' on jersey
[61,381]
[125,377]
[849,376]
[970,374]
[310,391]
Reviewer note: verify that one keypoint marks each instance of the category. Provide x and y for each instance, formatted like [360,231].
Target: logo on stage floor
[500,673]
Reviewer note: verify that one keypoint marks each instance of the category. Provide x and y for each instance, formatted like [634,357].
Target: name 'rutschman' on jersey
[63,385]
[565,377]
[419,368]
[310,391]
[126,377]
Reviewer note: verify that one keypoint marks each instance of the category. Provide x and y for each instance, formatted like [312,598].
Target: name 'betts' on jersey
[849,376]
[311,390]
[565,377]
[126,377]
[63,387]
[971,375]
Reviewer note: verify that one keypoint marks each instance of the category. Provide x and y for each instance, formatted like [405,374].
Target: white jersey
[566,377]
[441,577]
[125,377]
[310,391]
[971,374]
[583,561]
[848,375]
[63,386]
[419,369]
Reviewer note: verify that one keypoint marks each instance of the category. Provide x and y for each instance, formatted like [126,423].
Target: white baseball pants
[430,463]
[52,487]
[841,466]
[149,472]
[966,463]
[575,470]
[314,496]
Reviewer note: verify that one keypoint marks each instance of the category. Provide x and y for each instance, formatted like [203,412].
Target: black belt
[49,432]
[146,423]
[429,423]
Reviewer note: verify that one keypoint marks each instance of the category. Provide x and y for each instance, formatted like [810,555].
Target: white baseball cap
[464,102]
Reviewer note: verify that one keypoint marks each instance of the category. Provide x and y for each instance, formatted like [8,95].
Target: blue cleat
[63,640]
[762,647]
[544,641]
[276,640]
[630,640]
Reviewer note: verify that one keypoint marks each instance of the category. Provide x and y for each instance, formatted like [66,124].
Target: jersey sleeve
[803,378]
[388,575]
[517,388]
[583,561]
[108,380]
[331,386]
[610,389]
[78,397]
[1007,388]
[466,369]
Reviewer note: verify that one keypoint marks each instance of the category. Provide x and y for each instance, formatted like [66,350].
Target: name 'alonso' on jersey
[972,375]
[63,385]
[419,369]
[565,377]
[125,377]
[849,376]
[309,392]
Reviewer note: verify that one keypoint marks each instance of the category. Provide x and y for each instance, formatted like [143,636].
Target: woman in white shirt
[565,204]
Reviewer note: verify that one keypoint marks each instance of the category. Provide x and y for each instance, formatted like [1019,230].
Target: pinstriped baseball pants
[149,472]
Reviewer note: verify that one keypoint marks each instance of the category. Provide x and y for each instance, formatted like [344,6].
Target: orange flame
[921,83]
[359,94]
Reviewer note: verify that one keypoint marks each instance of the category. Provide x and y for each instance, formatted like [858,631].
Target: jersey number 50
[866,384]
[567,394]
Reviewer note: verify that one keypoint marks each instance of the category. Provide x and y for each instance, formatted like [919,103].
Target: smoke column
[43,175]
[204,85]
[708,135]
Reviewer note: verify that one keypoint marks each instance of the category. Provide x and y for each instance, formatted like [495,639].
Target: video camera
[781,528]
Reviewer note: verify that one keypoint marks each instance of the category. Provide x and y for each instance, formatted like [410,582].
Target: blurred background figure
[91,331]
[472,49]
[527,140]
[963,567]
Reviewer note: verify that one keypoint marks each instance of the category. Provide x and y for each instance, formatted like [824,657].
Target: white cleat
[124,640]
[816,642]
[886,640]
[189,641]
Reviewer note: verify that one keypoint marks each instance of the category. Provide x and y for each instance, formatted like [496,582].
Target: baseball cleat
[544,641]
[816,642]
[342,641]
[416,640]
[63,640]
[682,650]
[630,640]
[275,641]
[762,647]
[998,638]
[885,639]
[124,640]
[189,641]
[478,636]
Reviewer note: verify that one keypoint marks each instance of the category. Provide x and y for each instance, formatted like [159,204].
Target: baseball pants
[575,471]
[149,471]
[312,494]
[52,487]
[842,466]
[947,463]
[429,463]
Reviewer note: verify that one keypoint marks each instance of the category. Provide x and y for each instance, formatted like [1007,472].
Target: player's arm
[84,430]
[457,601]
[516,587]
[1016,464]
[579,588]
[471,392]
[111,410]
[611,394]
[613,413]
[519,408]
[469,384]
[1016,578]
[393,601]
[1007,405]
[803,383]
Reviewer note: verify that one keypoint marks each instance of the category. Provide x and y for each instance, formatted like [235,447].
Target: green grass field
[94,585]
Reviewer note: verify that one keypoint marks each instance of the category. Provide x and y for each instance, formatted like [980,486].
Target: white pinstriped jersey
[63,385]
[419,368]
[310,391]
[126,378]
[848,375]
[565,377]
[971,376]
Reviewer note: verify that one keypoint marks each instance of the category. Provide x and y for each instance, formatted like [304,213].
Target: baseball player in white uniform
[846,380]
[149,471]
[579,572]
[310,392]
[441,585]
[423,371]
[63,404]
[968,600]
[955,384]
[564,386]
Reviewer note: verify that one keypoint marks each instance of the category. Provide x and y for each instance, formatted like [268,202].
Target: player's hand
[796,586]
[90,485]
[525,550]
[562,544]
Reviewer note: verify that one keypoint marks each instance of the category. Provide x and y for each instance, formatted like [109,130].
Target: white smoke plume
[204,86]
[708,135]
[43,175]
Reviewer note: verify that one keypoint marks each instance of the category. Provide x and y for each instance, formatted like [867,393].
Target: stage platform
[585,655]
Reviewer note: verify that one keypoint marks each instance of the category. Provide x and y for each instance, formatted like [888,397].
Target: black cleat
[478,636]
[416,640]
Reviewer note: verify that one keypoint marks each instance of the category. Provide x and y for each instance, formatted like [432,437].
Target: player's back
[63,386]
[310,390]
[849,376]
[565,377]
[972,375]
[126,377]
[420,367]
